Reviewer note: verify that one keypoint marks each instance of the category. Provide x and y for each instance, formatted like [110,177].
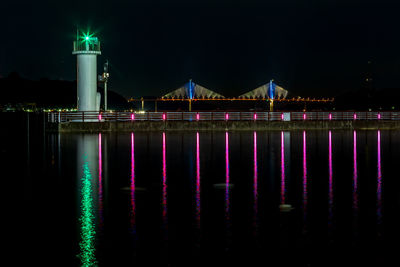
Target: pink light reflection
[133,184]
[330,116]
[227,159]
[100,183]
[283,189]
[132,117]
[226,116]
[304,116]
[197,116]
[379,182]
[305,190]
[164,116]
[198,207]
[99,117]
[227,196]
[330,181]
[227,180]
[255,116]
[355,173]
[255,181]
[164,180]
[355,116]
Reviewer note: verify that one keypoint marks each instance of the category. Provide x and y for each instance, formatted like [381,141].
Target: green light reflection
[87,219]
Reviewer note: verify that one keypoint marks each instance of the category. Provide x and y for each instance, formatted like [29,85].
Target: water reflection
[198,180]
[285,168]
[227,196]
[227,204]
[305,227]
[164,183]
[379,184]
[355,183]
[133,185]
[330,193]
[305,190]
[283,185]
[255,183]
[355,173]
[87,161]
[101,214]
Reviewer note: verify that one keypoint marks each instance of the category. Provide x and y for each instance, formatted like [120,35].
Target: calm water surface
[194,199]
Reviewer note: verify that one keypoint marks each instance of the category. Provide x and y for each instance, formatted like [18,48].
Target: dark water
[161,199]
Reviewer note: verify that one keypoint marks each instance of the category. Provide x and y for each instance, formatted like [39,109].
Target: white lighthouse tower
[87,48]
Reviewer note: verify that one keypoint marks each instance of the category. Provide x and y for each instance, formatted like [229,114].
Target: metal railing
[86,46]
[95,116]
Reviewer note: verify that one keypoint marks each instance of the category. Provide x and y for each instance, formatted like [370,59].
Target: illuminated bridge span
[57,117]
[242,98]
[192,92]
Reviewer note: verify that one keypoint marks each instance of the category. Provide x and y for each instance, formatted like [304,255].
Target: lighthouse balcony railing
[86,46]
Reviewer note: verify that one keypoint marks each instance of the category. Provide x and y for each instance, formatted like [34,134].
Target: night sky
[311,48]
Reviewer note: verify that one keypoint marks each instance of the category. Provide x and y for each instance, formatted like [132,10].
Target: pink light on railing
[226,116]
[379,116]
[281,116]
[164,116]
[197,116]
[100,117]
[255,116]
[330,116]
[132,117]
[304,116]
[355,116]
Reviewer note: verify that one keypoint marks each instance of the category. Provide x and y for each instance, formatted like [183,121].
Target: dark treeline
[46,93]
[366,99]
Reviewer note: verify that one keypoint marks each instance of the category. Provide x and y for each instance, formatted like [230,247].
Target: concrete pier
[140,126]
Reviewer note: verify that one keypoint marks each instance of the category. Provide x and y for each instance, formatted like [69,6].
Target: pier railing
[95,116]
